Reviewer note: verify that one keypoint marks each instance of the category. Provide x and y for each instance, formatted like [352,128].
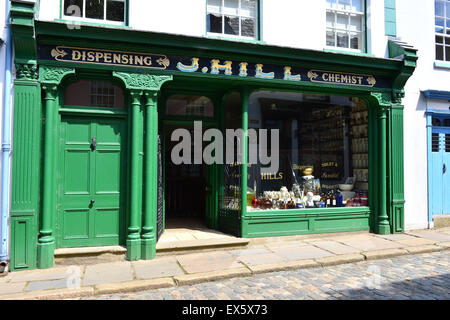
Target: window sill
[344,51]
[237,39]
[90,23]
[307,211]
[442,64]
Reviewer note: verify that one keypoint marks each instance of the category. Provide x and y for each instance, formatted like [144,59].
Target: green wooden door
[91,176]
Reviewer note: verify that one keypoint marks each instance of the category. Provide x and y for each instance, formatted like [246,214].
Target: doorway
[190,190]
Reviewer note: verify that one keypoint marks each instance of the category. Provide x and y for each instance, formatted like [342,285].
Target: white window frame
[103,21]
[349,13]
[240,16]
[444,35]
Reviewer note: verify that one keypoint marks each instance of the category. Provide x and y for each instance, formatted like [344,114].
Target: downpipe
[6,147]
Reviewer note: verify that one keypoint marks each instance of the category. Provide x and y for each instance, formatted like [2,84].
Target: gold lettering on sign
[342,78]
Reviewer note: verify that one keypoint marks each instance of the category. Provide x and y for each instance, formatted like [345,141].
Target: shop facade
[94,117]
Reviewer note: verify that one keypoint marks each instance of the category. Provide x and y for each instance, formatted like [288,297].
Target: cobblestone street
[425,276]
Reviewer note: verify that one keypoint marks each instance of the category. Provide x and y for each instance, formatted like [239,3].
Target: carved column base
[148,249]
[133,249]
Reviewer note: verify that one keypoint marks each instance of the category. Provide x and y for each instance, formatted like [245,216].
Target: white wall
[415,25]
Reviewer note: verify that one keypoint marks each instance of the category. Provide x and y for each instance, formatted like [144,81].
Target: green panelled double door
[91,181]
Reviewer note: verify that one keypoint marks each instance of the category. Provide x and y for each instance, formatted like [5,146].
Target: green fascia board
[52,32]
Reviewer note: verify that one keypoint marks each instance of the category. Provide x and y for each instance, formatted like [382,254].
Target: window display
[323,152]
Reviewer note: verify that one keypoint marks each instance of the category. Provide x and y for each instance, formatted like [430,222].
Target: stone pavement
[262,255]
[424,277]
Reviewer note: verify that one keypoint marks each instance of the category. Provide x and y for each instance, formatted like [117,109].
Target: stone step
[89,251]
[441,221]
[201,244]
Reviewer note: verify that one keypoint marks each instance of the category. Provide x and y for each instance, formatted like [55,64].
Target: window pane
[73,8]
[357,5]
[447,53]
[355,23]
[342,40]
[248,8]
[330,38]
[439,22]
[344,5]
[231,7]
[439,8]
[331,4]
[232,25]
[214,23]
[439,53]
[448,10]
[248,27]
[439,39]
[89,93]
[355,41]
[330,19]
[447,40]
[180,105]
[435,142]
[115,10]
[94,9]
[342,21]
[214,6]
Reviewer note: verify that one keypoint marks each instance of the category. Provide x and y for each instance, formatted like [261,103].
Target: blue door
[440,171]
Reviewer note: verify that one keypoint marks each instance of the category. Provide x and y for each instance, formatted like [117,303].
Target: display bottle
[339,199]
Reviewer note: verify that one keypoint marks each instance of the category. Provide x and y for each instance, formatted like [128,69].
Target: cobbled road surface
[425,276]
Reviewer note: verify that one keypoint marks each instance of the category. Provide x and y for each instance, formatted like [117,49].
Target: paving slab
[51,294]
[340,259]
[395,237]
[431,235]
[249,252]
[43,274]
[133,286]
[108,273]
[424,249]
[335,247]
[189,279]
[208,261]
[284,266]
[367,243]
[46,285]
[158,268]
[382,254]
[303,252]
[415,242]
[264,258]
[12,288]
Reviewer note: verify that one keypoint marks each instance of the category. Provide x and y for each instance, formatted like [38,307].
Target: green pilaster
[137,83]
[383,219]
[244,100]
[151,177]
[133,238]
[50,78]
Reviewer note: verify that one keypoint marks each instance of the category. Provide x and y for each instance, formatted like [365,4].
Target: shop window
[231,194]
[435,142]
[187,105]
[234,18]
[90,93]
[435,122]
[323,158]
[442,29]
[446,123]
[108,11]
[345,24]
[447,142]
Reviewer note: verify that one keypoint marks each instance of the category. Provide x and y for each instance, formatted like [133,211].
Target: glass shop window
[91,93]
[322,155]
[232,171]
[234,18]
[442,29]
[107,11]
[187,105]
[345,24]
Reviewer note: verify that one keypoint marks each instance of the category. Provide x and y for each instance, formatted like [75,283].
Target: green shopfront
[94,119]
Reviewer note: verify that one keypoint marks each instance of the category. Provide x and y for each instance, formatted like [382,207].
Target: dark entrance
[185,186]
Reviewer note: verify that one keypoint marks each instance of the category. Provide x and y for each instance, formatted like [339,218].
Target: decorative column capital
[50,90]
[142,81]
[26,71]
[150,98]
[397,96]
[136,96]
[53,75]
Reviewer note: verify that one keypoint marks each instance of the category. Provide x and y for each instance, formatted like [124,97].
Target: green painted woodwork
[151,176]
[245,94]
[22,27]
[25,188]
[91,175]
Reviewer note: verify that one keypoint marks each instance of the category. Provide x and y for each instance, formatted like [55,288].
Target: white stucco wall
[415,25]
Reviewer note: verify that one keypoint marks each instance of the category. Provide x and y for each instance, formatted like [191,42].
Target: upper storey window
[234,18]
[442,29]
[345,24]
[103,11]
